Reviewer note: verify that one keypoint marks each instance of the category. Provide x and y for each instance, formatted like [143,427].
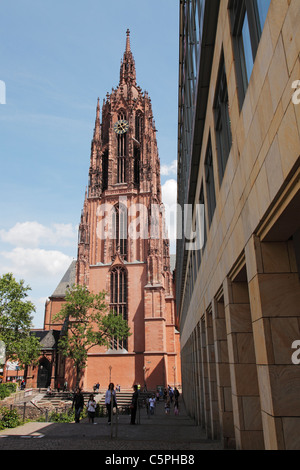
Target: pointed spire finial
[128,41]
[127,70]
[97,131]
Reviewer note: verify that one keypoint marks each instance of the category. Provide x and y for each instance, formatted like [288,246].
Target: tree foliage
[87,323]
[16,321]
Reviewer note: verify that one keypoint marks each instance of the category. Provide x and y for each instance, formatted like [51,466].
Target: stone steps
[124,398]
[57,399]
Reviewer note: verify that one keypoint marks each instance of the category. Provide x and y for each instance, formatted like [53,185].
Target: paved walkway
[157,432]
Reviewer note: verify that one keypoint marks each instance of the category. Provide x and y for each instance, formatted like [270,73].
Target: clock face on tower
[121,127]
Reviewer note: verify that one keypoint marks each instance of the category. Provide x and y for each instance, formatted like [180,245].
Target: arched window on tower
[138,126]
[120,241]
[118,301]
[105,171]
[137,159]
[122,142]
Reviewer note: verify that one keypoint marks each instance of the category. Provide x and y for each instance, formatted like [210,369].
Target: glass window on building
[263,8]
[210,183]
[246,52]
[222,120]
[247,18]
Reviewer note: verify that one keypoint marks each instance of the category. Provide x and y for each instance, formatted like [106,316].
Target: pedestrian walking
[168,405]
[110,400]
[134,404]
[152,402]
[176,396]
[91,408]
[78,404]
[171,393]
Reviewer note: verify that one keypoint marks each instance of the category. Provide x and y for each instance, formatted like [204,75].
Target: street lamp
[174,368]
[110,368]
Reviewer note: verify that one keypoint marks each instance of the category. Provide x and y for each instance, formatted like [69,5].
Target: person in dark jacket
[78,403]
[134,404]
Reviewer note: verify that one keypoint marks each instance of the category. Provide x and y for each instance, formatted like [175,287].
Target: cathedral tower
[121,244]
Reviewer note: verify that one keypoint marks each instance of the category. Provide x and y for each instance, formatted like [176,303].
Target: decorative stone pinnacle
[128,41]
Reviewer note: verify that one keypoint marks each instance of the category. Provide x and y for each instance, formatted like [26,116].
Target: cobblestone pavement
[156,432]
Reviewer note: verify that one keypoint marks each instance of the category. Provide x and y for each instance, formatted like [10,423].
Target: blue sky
[56,59]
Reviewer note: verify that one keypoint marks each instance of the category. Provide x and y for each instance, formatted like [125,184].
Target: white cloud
[37,256]
[34,263]
[34,234]
[169,198]
[168,170]
[169,192]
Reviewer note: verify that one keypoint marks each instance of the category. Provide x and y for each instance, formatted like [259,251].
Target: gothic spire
[128,72]
[97,130]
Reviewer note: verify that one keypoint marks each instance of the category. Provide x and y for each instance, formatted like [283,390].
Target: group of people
[169,395]
[78,404]
[111,403]
[96,387]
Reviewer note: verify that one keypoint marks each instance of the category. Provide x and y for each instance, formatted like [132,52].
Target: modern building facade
[122,247]
[238,296]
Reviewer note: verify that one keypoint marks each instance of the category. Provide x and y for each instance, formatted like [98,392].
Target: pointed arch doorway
[44,373]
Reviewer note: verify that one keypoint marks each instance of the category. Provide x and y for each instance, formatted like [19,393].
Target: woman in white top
[152,404]
[110,400]
[91,408]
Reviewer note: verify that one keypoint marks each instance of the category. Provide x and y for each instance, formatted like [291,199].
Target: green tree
[16,321]
[87,323]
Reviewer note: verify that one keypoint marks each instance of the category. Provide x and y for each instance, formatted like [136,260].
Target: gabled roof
[67,281]
[48,338]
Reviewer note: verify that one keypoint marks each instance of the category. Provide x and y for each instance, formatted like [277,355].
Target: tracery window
[138,126]
[120,241]
[105,171]
[118,301]
[122,142]
[137,164]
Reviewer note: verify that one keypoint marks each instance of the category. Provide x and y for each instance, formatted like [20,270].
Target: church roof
[67,281]
[48,338]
